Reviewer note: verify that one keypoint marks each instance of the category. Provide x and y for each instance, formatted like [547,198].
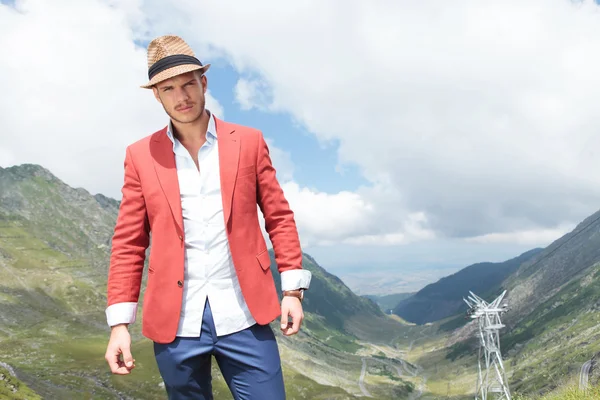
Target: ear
[156,96]
[204,82]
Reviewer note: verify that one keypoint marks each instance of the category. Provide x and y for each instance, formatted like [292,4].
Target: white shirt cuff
[295,279]
[121,313]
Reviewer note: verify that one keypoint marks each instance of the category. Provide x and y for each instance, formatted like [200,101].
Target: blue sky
[314,163]
[419,137]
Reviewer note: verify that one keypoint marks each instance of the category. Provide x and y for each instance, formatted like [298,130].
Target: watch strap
[299,293]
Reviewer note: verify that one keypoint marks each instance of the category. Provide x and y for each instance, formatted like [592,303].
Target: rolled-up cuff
[121,313]
[295,279]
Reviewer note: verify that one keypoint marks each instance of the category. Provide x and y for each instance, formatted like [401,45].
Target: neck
[193,131]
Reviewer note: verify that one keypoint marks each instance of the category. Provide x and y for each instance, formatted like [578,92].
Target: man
[194,186]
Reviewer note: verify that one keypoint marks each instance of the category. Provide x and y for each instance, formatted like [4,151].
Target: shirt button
[179,283]
[180,237]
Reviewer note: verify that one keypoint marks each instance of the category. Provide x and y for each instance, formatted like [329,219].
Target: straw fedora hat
[168,56]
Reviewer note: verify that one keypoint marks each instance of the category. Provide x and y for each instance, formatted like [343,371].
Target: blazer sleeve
[279,222]
[129,243]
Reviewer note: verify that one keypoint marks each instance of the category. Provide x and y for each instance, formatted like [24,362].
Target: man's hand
[120,345]
[291,306]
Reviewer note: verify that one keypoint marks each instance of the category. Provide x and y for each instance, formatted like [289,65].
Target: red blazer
[151,203]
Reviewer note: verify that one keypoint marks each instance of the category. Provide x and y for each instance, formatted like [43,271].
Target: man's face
[182,96]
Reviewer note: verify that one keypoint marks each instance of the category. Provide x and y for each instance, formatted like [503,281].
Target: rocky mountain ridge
[444,298]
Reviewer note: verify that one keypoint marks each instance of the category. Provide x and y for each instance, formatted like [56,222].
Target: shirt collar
[211,132]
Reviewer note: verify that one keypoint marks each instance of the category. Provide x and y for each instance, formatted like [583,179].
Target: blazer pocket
[264,260]
[246,171]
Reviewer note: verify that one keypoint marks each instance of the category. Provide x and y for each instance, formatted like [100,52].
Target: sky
[405,135]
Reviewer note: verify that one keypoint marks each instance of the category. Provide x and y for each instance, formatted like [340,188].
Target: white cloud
[251,94]
[214,106]
[282,162]
[481,116]
[412,230]
[71,73]
[244,94]
[540,237]
[326,217]
[470,119]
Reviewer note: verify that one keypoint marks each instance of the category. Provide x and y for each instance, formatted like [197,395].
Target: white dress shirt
[208,270]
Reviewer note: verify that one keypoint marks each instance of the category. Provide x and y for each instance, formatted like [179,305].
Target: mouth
[184,109]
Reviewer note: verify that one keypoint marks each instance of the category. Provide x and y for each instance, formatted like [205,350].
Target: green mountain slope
[567,258]
[547,348]
[553,323]
[54,252]
[343,310]
[559,335]
[444,298]
[12,388]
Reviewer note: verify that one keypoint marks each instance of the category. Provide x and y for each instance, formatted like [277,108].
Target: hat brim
[174,71]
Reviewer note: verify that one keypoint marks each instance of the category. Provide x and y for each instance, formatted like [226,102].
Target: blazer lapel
[229,156]
[161,149]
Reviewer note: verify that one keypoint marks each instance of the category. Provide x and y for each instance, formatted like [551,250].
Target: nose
[181,95]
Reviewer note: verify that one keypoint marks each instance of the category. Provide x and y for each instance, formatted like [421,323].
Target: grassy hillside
[54,248]
[552,326]
[343,310]
[571,392]
[13,388]
[545,349]
[444,298]
[544,275]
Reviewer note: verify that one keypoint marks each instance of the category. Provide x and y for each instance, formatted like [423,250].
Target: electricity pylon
[492,382]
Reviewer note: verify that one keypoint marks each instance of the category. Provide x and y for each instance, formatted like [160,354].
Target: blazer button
[179,283]
[180,237]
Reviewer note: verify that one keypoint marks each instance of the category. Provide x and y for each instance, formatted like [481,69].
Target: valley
[54,247]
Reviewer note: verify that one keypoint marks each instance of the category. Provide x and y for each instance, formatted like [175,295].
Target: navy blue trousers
[249,361]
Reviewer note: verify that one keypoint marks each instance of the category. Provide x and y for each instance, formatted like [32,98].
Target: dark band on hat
[171,61]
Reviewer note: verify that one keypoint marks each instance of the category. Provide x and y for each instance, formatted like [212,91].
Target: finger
[113,361]
[284,317]
[293,325]
[287,331]
[116,365]
[122,370]
[127,357]
[296,322]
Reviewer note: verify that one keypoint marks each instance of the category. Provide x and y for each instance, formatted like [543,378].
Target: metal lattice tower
[492,382]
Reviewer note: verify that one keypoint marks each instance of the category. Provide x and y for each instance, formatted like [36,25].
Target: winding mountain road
[409,369]
[361,380]
[8,368]
[397,368]
[363,373]
[585,374]
[420,388]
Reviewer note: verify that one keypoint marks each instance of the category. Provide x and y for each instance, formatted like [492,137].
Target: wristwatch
[299,293]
